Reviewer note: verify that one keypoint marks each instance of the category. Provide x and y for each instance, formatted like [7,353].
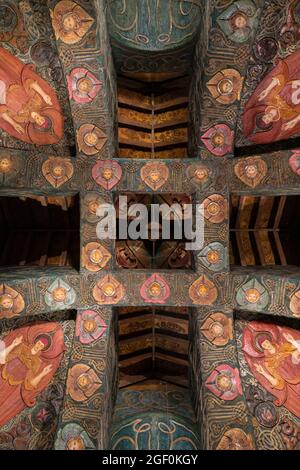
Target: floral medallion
[213,256]
[155,290]
[226,86]
[90,326]
[155,175]
[95,257]
[294,162]
[218,140]
[83,86]
[199,175]
[11,302]
[236,439]
[251,171]
[90,139]
[57,171]
[91,202]
[252,295]
[70,21]
[203,291]
[73,437]
[108,291]
[107,173]
[60,295]
[82,382]
[215,208]
[225,382]
[217,328]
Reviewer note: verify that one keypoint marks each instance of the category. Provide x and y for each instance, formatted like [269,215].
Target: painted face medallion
[155,290]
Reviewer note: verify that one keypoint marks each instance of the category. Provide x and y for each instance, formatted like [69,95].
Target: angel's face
[69,23]
[38,346]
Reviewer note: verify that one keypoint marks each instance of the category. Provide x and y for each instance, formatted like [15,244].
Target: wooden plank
[246,204]
[280,249]
[265,207]
[280,210]
[264,247]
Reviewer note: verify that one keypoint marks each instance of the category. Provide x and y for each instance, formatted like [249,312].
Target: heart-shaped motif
[155,174]
[155,290]
[107,173]
[251,171]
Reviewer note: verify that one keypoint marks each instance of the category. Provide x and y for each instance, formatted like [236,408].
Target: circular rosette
[218,140]
[203,291]
[108,291]
[91,202]
[266,414]
[43,415]
[217,328]
[252,295]
[60,295]
[294,162]
[107,173]
[213,257]
[73,437]
[90,139]
[236,439]
[11,302]
[155,174]
[57,171]
[83,86]
[251,171]
[95,256]
[224,382]
[70,21]
[295,303]
[265,49]
[155,290]
[215,208]
[82,382]
[90,326]
[226,86]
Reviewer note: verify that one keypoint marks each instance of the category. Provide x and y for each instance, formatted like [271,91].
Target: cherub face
[59,294]
[96,256]
[93,206]
[251,171]
[5,165]
[84,85]
[38,119]
[69,22]
[224,382]
[218,140]
[217,329]
[89,325]
[83,381]
[75,443]
[225,87]
[107,174]
[270,116]
[38,346]
[91,139]
[240,21]
[6,302]
[109,290]
[201,173]
[155,289]
[266,344]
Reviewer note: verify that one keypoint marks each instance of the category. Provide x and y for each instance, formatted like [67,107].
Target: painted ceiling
[168,100]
